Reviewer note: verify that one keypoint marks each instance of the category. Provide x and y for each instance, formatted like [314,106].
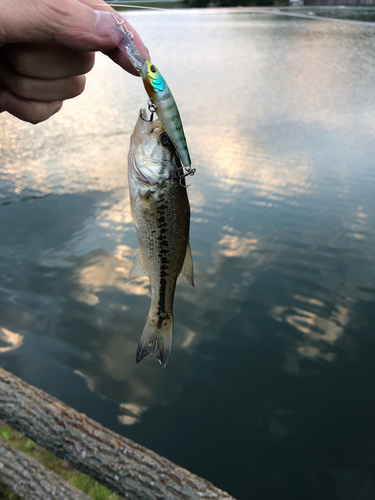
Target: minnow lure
[161,98]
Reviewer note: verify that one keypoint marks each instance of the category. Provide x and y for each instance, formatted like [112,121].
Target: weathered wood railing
[31,480]
[126,468]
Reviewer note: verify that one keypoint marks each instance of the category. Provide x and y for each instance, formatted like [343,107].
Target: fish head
[152,156]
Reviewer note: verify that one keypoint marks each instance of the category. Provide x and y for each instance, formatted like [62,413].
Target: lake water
[270,389]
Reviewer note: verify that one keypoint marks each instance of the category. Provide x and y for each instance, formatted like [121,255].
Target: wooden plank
[125,467]
[31,480]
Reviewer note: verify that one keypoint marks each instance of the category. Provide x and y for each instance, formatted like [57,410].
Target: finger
[101,6]
[35,89]
[28,111]
[48,60]
[120,58]
[68,22]
[72,23]
[115,54]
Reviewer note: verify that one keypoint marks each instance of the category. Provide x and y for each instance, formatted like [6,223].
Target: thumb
[68,22]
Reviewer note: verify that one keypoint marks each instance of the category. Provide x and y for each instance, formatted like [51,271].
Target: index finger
[103,28]
[81,25]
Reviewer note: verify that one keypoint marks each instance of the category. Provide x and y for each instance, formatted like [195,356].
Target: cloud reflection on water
[133,412]
[247,160]
[320,331]
[9,340]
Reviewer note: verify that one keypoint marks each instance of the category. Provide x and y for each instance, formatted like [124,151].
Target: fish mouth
[144,125]
[145,131]
[142,128]
[143,115]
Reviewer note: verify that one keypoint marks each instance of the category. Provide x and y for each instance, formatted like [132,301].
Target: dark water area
[269,392]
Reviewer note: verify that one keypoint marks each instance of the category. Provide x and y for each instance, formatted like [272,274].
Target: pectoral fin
[137,271]
[187,268]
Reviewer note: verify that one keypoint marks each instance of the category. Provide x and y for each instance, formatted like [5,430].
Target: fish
[159,93]
[161,213]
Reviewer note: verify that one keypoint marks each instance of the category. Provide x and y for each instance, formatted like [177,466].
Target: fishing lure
[161,99]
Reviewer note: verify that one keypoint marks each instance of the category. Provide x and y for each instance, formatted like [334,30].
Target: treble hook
[189,171]
[152,108]
[120,21]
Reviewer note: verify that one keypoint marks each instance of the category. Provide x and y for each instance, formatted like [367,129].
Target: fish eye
[153,68]
[165,140]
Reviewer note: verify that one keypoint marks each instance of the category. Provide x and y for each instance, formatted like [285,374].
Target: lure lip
[128,47]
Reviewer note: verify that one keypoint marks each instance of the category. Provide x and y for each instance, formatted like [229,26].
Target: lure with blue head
[159,93]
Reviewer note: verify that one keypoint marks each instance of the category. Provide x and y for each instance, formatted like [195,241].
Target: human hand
[47,46]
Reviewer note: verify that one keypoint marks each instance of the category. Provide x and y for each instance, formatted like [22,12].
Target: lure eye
[165,140]
[152,68]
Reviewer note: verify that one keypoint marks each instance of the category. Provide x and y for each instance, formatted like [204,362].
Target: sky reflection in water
[270,385]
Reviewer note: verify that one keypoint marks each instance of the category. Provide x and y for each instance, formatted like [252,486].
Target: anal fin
[187,271]
[138,270]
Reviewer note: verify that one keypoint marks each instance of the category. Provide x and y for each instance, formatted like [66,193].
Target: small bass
[161,212]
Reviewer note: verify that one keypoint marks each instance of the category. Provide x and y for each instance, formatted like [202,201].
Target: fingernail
[104,22]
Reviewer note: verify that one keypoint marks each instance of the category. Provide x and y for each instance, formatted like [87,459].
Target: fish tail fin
[156,339]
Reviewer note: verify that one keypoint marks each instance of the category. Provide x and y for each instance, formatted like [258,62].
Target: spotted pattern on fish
[163,254]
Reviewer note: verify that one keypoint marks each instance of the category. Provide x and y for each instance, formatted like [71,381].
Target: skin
[47,47]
